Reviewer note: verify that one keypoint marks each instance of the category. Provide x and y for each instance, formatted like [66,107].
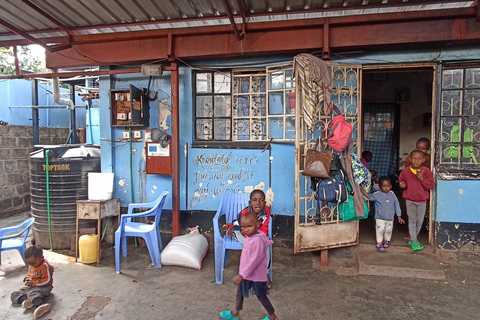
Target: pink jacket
[253,260]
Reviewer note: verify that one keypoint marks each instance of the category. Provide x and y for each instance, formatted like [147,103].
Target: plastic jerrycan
[88,246]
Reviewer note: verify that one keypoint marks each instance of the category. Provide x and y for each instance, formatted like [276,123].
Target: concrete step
[398,261]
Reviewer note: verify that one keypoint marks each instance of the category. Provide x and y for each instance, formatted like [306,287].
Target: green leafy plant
[28,61]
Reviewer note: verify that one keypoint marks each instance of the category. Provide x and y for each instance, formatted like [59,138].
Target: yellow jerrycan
[88,246]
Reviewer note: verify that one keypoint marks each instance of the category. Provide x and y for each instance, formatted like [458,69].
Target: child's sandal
[417,246]
[380,248]
[386,244]
[227,314]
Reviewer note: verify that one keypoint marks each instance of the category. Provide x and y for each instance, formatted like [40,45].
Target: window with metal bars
[459,132]
[245,105]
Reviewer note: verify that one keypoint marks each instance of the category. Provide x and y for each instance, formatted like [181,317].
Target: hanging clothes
[360,194]
[361,174]
[316,83]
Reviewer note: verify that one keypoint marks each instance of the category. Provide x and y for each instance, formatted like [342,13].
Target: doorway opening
[396,112]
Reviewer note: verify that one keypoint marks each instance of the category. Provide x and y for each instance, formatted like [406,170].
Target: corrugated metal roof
[45,18]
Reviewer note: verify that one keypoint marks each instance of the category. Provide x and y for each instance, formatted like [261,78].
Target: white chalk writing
[217,174]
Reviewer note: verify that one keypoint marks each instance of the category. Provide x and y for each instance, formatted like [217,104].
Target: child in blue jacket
[386,208]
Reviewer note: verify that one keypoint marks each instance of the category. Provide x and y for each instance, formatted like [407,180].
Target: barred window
[245,105]
[460,120]
[213,106]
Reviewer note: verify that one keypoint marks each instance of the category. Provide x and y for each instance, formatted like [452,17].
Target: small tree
[28,61]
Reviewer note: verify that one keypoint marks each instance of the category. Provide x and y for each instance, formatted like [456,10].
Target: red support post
[175,154]
[324,258]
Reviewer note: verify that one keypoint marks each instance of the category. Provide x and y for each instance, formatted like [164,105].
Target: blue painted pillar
[106,132]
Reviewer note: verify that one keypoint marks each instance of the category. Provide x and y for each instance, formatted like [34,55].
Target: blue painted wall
[274,168]
[116,155]
[18,93]
[457,201]
[253,171]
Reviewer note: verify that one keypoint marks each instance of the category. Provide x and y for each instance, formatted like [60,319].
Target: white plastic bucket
[100,186]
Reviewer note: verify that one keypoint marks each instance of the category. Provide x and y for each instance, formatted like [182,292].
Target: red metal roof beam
[74,73]
[68,74]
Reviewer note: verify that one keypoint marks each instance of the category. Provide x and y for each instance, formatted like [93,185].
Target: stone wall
[15,147]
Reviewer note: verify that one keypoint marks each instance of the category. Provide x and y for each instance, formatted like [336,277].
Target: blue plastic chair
[230,206]
[149,232]
[17,240]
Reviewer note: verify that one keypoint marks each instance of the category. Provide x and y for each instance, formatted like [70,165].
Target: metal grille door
[319,228]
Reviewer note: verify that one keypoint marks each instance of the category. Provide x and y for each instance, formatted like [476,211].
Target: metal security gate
[324,230]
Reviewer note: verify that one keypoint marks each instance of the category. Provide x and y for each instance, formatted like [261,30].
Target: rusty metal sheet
[327,236]
[110,16]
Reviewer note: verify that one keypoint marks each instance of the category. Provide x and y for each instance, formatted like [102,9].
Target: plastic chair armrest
[147,213]
[3,231]
[148,205]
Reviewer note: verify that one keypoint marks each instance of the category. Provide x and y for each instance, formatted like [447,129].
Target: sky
[38,52]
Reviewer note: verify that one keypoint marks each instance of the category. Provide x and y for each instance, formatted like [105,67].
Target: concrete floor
[303,289]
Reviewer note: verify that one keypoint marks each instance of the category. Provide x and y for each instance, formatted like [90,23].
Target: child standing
[423,144]
[386,207]
[252,273]
[258,206]
[416,182]
[38,282]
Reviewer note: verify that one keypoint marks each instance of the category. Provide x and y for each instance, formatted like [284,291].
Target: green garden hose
[47,155]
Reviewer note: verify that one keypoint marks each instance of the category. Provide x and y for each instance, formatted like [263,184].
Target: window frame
[266,118]
[461,170]
[213,95]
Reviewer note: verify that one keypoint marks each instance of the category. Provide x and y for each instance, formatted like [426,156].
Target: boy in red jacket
[416,182]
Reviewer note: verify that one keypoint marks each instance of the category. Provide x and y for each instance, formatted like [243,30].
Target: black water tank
[68,179]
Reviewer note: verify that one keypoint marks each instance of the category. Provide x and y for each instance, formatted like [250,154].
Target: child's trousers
[30,293]
[263,299]
[383,230]
[416,215]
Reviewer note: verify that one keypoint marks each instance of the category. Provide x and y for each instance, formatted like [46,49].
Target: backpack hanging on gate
[340,132]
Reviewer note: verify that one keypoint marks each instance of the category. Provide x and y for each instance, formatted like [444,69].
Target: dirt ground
[303,289]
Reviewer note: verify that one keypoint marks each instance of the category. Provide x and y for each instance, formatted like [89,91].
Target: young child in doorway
[386,208]
[258,206]
[38,282]
[423,144]
[252,273]
[366,158]
[416,182]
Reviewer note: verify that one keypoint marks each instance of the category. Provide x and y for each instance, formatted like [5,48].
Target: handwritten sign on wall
[214,172]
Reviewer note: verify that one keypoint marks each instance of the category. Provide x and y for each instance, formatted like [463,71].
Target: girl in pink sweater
[252,273]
